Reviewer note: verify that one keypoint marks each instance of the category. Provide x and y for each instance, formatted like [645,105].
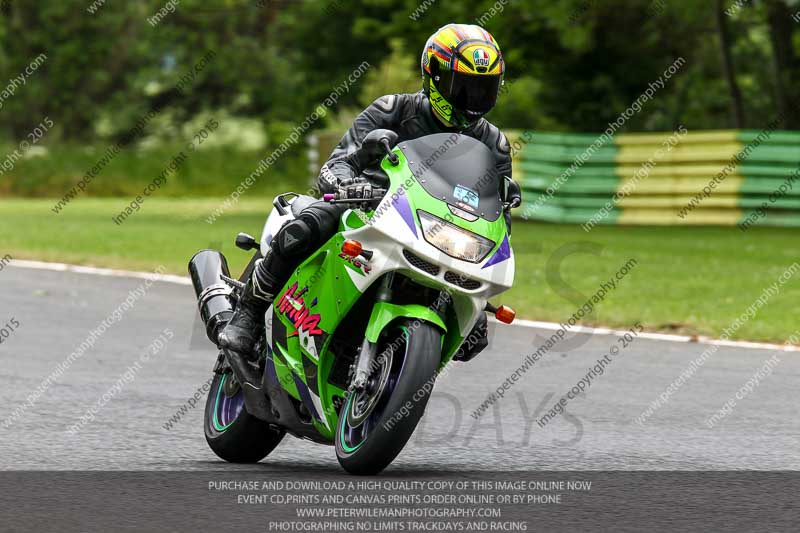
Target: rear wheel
[375,424]
[231,432]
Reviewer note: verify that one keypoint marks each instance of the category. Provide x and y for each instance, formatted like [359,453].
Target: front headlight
[454,241]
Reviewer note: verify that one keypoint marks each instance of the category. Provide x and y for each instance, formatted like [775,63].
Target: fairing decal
[307,398]
[404,208]
[503,252]
[292,305]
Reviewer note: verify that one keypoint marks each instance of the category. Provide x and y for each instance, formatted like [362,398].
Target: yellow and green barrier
[659,178]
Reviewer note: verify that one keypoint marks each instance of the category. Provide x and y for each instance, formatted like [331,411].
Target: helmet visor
[470,93]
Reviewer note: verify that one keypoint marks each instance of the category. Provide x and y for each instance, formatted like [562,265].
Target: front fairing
[398,216]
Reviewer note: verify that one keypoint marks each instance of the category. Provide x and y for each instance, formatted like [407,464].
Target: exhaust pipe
[206,269]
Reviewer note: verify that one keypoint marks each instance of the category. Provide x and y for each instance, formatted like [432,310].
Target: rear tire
[231,432]
[366,444]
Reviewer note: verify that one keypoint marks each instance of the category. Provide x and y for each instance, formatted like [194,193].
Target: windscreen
[458,170]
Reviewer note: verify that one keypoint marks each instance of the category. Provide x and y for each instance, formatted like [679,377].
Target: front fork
[366,356]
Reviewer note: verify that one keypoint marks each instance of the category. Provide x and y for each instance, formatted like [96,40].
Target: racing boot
[247,323]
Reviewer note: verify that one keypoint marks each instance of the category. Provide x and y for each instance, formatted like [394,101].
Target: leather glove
[359,191]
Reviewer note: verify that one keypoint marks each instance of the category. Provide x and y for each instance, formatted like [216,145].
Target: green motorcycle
[355,340]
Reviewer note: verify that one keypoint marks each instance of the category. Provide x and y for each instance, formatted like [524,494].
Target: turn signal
[352,248]
[505,314]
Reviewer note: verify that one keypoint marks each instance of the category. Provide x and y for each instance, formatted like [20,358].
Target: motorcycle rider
[462,72]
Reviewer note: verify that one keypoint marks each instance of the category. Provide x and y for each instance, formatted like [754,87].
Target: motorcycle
[355,340]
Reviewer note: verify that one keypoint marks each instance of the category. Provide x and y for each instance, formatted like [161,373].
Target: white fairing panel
[274,222]
[271,227]
[387,236]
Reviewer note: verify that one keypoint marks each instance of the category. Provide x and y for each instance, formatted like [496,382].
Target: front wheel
[231,432]
[375,423]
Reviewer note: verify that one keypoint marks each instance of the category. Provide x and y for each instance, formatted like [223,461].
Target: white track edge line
[181,280]
[110,272]
[699,339]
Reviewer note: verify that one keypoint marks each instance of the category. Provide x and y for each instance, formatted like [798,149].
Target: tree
[786,61]
[727,64]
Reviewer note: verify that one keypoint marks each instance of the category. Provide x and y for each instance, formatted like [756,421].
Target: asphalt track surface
[57,310]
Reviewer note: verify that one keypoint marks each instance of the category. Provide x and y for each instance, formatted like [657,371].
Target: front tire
[231,432]
[375,426]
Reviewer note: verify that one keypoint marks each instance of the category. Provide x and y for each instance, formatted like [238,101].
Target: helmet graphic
[462,71]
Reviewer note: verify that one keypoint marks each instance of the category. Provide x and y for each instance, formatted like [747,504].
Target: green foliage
[399,73]
[207,172]
[573,65]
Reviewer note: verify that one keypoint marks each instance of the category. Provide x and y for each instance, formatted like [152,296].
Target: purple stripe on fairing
[302,390]
[272,374]
[502,253]
[404,209]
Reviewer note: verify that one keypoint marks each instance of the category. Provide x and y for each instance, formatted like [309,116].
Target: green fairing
[284,373]
[320,273]
[383,313]
[352,221]
[325,275]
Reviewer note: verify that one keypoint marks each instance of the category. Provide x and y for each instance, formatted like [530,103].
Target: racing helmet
[462,72]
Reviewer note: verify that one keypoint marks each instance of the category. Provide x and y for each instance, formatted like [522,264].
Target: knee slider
[294,238]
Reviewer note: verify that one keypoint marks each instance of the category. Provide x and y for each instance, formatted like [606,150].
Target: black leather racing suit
[411,117]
